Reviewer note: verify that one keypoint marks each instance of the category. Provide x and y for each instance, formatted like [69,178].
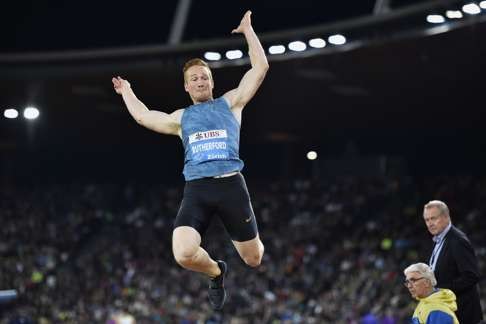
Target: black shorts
[227,198]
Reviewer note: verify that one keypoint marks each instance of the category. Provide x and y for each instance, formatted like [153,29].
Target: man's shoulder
[458,240]
[456,234]
[177,115]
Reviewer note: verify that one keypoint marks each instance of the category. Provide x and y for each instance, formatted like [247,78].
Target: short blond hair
[440,205]
[195,62]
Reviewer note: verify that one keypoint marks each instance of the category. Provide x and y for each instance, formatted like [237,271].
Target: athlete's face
[435,220]
[198,82]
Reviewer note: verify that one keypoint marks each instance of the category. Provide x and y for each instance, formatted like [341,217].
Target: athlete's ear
[211,78]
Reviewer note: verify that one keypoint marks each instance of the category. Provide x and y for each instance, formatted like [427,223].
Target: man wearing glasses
[436,306]
[454,262]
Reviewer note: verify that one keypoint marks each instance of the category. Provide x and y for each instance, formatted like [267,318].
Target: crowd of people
[335,251]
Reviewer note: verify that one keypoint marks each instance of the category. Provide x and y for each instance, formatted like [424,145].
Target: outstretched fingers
[244,24]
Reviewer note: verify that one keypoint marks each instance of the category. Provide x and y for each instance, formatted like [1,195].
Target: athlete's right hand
[120,85]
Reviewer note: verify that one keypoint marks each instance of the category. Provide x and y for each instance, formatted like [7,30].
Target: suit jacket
[457,269]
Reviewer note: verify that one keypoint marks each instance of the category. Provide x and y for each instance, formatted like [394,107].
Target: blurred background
[369,110]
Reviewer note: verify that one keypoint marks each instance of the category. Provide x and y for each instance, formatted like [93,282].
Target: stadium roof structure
[397,73]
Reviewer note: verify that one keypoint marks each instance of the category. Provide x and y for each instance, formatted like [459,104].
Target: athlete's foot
[217,293]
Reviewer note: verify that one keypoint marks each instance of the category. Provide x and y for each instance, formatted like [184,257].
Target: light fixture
[435,19]
[317,43]
[276,49]
[31,113]
[212,56]
[10,113]
[454,14]
[337,39]
[234,54]
[311,155]
[471,9]
[297,46]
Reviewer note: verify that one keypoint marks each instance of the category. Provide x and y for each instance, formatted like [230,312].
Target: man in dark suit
[454,262]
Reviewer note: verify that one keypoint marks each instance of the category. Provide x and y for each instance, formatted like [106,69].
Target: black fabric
[457,270]
[226,198]
[217,293]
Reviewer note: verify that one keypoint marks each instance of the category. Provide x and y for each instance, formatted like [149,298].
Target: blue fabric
[438,317]
[435,317]
[211,140]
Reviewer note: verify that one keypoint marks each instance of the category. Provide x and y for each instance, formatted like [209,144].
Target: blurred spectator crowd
[335,250]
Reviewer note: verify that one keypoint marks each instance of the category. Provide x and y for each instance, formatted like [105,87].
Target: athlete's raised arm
[253,78]
[158,121]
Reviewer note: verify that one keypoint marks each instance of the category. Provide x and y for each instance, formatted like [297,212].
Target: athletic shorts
[227,197]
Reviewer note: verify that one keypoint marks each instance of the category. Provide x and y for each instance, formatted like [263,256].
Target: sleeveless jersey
[211,140]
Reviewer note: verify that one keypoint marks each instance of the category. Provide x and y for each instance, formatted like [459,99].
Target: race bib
[209,145]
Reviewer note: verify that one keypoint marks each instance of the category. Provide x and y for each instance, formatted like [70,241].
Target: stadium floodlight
[31,113]
[471,9]
[212,56]
[317,43]
[234,54]
[337,39]
[297,46]
[276,49]
[454,14]
[10,113]
[311,155]
[482,4]
[435,19]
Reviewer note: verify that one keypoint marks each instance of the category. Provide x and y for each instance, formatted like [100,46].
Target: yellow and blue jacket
[437,308]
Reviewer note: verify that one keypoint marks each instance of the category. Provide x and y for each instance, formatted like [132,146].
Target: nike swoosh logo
[248,220]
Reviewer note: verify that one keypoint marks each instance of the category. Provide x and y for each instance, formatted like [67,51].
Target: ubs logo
[210,134]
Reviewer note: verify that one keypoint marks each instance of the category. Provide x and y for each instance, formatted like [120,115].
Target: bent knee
[253,260]
[184,257]
[183,260]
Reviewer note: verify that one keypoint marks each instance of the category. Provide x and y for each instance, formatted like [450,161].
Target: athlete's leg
[186,246]
[250,251]
[239,220]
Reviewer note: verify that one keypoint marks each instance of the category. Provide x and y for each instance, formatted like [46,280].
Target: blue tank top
[211,140]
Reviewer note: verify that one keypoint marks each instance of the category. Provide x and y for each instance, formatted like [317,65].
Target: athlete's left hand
[245,23]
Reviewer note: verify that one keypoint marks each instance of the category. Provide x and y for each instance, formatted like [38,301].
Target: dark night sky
[416,93]
[60,25]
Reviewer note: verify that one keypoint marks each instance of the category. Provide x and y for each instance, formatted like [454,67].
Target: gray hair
[440,205]
[424,270]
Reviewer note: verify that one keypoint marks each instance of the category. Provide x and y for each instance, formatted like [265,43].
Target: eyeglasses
[411,281]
